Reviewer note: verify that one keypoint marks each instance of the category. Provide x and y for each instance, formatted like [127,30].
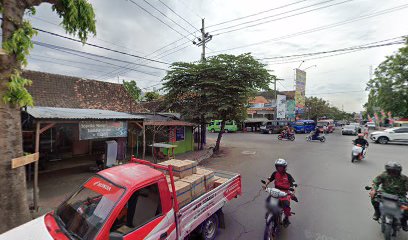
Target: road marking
[248,152]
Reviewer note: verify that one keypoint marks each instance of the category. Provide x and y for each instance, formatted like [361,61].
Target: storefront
[65,134]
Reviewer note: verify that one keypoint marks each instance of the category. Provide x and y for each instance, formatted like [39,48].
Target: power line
[108,42]
[71,51]
[151,5]
[284,17]
[312,30]
[269,10]
[179,15]
[151,14]
[191,9]
[101,47]
[342,53]
[368,45]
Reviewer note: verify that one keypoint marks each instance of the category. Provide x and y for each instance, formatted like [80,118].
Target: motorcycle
[321,138]
[274,216]
[392,208]
[286,136]
[357,152]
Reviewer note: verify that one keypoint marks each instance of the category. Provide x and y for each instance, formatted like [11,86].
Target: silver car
[349,130]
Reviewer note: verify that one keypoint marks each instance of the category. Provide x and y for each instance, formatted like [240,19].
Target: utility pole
[205,38]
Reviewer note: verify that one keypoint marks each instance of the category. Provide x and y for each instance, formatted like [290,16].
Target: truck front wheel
[209,227]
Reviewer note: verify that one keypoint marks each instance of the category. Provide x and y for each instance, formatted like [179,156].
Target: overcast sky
[124,26]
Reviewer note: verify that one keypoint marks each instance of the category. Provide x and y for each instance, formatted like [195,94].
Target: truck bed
[193,214]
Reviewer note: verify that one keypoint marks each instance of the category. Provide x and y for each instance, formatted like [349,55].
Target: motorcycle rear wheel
[322,139]
[388,232]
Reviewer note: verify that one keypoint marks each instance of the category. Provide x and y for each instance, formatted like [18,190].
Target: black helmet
[393,168]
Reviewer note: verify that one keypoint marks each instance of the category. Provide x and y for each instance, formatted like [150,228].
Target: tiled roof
[53,90]
[259,99]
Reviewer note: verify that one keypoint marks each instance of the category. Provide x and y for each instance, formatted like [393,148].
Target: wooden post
[37,150]
[144,141]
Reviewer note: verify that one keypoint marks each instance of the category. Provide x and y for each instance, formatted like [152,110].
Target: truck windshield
[321,124]
[85,212]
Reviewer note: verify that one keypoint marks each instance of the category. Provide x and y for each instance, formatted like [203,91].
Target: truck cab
[130,201]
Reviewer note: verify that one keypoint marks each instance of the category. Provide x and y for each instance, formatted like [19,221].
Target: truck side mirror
[115,236]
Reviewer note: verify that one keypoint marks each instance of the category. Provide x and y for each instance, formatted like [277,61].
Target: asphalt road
[333,204]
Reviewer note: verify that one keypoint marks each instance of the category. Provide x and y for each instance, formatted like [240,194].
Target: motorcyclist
[283,181]
[316,134]
[391,182]
[361,140]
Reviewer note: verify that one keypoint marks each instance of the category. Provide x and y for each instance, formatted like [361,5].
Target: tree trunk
[218,142]
[13,196]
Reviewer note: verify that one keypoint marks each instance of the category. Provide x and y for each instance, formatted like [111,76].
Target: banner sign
[281,106]
[102,129]
[290,109]
[300,79]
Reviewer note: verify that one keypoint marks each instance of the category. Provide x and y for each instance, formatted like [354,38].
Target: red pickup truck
[132,201]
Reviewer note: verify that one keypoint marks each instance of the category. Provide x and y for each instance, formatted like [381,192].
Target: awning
[79,114]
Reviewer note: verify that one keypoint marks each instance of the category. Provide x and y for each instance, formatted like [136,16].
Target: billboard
[290,109]
[300,81]
[281,106]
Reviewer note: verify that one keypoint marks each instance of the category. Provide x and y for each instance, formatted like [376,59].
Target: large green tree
[151,96]
[316,108]
[134,91]
[218,88]
[78,19]
[389,87]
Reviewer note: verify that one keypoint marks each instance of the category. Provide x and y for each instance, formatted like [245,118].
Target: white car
[398,134]
[370,125]
[349,130]
[357,125]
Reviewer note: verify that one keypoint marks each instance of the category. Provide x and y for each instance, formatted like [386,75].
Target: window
[401,130]
[143,206]
[180,133]
[85,212]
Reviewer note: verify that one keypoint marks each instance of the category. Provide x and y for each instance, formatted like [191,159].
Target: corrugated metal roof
[76,113]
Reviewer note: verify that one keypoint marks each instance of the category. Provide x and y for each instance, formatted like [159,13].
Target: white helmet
[280,162]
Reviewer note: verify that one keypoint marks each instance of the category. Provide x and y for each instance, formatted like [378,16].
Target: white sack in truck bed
[183,191]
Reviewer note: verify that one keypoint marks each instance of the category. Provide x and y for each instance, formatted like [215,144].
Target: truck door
[146,215]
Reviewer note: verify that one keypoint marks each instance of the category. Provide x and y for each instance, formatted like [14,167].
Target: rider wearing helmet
[391,182]
[283,181]
[361,140]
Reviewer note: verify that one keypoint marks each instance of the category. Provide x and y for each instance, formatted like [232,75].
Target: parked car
[304,126]
[274,126]
[357,125]
[398,134]
[349,130]
[215,126]
[370,125]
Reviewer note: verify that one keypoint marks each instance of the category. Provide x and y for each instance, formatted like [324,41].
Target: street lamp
[309,67]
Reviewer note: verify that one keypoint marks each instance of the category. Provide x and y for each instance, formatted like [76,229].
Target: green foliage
[389,87]
[317,107]
[1,7]
[20,42]
[133,90]
[218,88]
[32,11]
[151,96]
[78,17]
[17,94]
